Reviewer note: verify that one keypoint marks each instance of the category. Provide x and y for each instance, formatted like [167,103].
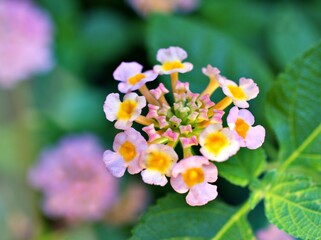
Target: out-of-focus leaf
[244,20]
[294,111]
[243,167]
[293,204]
[106,35]
[290,33]
[104,232]
[206,45]
[172,218]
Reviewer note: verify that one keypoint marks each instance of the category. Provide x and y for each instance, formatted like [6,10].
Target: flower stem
[224,103]
[149,97]
[211,87]
[174,79]
[144,120]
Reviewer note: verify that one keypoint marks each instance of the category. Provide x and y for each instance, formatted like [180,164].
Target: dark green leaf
[172,218]
[243,167]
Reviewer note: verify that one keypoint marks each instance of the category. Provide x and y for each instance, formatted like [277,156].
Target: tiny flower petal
[159,91]
[246,90]
[152,113]
[151,132]
[158,161]
[171,59]
[124,112]
[185,129]
[189,141]
[128,147]
[171,135]
[131,77]
[194,173]
[211,72]
[218,143]
[241,121]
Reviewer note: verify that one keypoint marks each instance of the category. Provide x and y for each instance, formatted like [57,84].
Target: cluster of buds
[192,120]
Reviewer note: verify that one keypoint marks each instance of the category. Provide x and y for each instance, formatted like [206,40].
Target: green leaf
[293,204]
[243,167]
[206,45]
[293,111]
[105,35]
[289,33]
[172,218]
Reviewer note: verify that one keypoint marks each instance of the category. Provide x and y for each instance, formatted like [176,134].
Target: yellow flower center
[135,79]
[126,109]
[172,65]
[215,142]
[241,127]
[237,92]
[128,151]
[193,176]
[158,161]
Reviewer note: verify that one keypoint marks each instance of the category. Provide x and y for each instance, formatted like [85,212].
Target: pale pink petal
[201,194]
[111,106]
[211,172]
[126,70]
[114,163]
[211,71]
[189,141]
[190,162]
[170,134]
[151,132]
[134,166]
[232,117]
[171,54]
[154,177]
[178,184]
[255,137]
[247,116]
[123,124]
[249,87]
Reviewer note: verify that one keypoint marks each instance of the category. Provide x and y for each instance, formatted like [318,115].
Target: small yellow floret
[135,79]
[126,109]
[128,151]
[158,161]
[167,66]
[193,176]
[215,142]
[237,92]
[241,127]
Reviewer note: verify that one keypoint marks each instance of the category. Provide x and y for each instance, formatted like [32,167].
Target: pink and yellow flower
[246,90]
[218,143]
[158,161]
[171,59]
[131,76]
[194,174]
[241,121]
[128,148]
[123,112]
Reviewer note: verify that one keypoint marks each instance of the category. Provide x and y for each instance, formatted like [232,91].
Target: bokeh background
[85,41]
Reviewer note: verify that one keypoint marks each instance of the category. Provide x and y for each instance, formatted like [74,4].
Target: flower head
[246,90]
[194,174]
[124,112]
[192,121]
[158,161]
[67,171]
[131,76]
[128,148]
[241,121]
[25,46]
[171,59]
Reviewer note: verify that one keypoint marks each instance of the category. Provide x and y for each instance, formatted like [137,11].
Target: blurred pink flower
[272,233]
[74,181]
[25,41]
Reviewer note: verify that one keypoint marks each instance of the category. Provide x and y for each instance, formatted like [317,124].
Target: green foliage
[293,110]
[243,167]
[293,204]
[172,218]
[290,33]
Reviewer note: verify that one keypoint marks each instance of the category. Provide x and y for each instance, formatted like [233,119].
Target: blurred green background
[254,39]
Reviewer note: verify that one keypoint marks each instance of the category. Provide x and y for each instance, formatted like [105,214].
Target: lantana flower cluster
[192,121]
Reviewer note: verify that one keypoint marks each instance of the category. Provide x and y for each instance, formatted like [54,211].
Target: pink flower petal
[154,177]
[114,163]
[201,194]
[255,137]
